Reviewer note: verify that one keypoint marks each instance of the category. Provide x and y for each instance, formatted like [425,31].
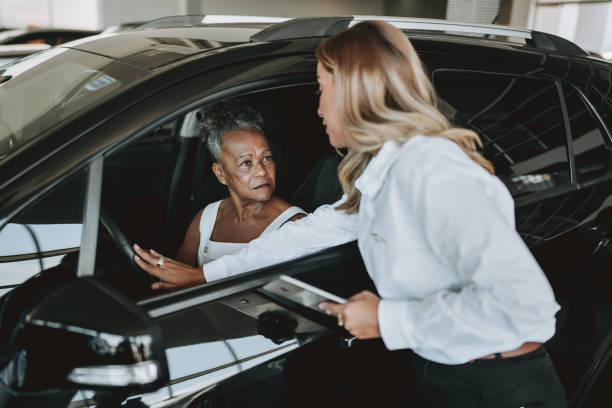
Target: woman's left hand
[359,314]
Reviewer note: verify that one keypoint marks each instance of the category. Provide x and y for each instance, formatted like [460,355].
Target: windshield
[39,92]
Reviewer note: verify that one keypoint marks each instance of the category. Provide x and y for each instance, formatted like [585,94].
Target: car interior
[154,187]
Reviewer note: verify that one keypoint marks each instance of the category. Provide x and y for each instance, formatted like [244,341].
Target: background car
[99,148]
[51,36]
[10,53]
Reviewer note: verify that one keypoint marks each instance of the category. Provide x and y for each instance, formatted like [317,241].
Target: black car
[51,36]
[100,147]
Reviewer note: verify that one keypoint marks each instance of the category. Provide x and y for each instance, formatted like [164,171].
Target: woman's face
[247,167]
[328,107]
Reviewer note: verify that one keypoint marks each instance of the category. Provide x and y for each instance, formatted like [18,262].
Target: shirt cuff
[214,270]
[395,325]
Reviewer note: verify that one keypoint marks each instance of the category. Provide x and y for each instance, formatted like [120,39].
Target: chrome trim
[407,23]
[569,142]
[225,18]
[603,125]
[91,218]
[35,255]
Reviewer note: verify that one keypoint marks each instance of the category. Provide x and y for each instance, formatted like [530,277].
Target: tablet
[301,292]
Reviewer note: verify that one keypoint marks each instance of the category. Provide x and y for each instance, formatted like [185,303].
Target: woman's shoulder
[285,212]
[280,205]
[434,160]
[284,209]
[208,214]
[214,206]
[429,147]
[425,154]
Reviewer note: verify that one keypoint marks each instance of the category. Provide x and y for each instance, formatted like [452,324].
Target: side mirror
[83,335]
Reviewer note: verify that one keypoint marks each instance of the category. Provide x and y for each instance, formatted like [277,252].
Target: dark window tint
[43,235]
[519,121]
[590,151]
[135,183]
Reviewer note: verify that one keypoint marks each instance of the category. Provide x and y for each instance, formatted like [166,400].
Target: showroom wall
[103,13]
[95,14]
[588,24]
[50,13]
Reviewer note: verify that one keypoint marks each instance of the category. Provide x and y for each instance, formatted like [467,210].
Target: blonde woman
[435,229]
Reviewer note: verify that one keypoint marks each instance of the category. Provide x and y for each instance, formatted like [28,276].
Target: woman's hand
[359,315]
[174,274]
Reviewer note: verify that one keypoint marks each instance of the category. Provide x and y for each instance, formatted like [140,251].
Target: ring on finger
[340,321]
[160,261]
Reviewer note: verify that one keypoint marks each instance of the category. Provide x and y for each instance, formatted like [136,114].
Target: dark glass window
[43,235]
[135,183]
[519,121]
[590,151]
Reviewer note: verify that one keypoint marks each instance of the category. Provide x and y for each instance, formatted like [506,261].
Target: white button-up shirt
[436,233]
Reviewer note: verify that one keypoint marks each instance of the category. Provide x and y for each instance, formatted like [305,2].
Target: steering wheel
[123,244]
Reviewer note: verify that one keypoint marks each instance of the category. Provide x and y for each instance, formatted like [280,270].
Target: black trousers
[525,381]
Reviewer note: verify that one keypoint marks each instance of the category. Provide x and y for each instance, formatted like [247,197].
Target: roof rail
[326,26]
[173,21]
[224,18]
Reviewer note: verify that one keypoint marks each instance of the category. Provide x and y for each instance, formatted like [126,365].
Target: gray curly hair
[226,116]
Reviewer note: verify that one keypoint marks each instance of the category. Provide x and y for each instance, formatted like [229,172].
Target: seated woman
[242,161]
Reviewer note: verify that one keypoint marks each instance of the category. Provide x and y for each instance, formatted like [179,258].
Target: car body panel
[153,48]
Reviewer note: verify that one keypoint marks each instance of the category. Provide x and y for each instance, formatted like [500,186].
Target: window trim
[37,255]
[605,133]
[91,218]
[602,124]
[568,132]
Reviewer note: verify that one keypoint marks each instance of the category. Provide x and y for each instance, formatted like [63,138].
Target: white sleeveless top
[209,250]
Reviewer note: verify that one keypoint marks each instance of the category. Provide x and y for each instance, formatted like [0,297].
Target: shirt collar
[372,178]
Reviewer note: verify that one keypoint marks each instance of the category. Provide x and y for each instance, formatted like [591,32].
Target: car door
[583,258]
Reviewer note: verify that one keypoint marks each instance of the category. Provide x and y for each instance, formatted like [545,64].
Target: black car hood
[153,48]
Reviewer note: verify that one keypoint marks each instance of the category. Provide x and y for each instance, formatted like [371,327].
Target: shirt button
[205,249]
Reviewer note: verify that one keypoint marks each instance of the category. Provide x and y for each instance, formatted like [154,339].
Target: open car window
[155,185]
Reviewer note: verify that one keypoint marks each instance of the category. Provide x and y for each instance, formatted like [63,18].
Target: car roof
[151,48]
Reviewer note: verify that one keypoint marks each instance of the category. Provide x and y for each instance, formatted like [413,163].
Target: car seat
[321,186]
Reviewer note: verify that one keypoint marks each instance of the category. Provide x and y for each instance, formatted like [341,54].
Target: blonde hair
[383,94]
